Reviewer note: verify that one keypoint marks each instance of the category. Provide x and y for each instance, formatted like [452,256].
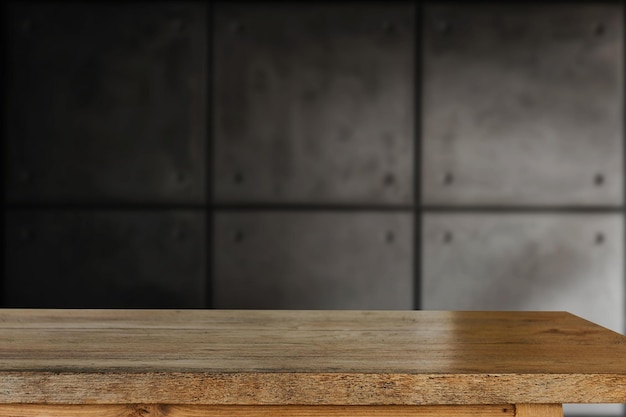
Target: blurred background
[346,155]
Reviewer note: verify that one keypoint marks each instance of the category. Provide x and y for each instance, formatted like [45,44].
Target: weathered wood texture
[538,410]
[153,410]
[250,357]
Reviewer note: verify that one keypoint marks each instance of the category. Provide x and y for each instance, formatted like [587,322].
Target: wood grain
[250,357]
[538,410]
[152,410]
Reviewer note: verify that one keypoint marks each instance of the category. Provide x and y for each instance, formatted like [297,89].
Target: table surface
[283,357]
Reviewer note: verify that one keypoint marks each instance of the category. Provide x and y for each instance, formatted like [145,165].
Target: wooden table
[230,363]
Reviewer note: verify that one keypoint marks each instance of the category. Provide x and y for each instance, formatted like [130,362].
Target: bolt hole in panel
[522,104]
[105,259]
[314,102]
[565,262]
[313,260]
[106,102]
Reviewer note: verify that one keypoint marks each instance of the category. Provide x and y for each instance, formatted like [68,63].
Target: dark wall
[315,155]
[106,151]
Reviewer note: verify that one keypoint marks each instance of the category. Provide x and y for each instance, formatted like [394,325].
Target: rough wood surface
[152,410]
[538,410]
[307,357]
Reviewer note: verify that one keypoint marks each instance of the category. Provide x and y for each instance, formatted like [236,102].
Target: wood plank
[306,388]
[448,342]
[307,357]
[538,410]
[152,410]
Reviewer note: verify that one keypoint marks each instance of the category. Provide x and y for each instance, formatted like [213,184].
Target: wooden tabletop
[307,357]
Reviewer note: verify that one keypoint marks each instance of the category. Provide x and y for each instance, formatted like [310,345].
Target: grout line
[105,206]
[417,155]
[623,126]
[209,251]
[419,209]
[524,209]
[5,142]
[314,207]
